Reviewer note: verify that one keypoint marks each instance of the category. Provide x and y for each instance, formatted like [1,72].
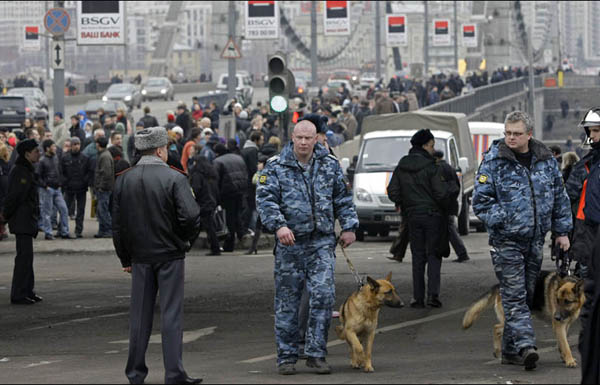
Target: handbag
[220,223]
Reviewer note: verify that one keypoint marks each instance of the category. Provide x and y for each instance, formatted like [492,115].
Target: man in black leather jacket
[155,219]
[77,172]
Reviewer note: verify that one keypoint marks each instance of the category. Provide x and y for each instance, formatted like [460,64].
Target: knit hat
[151,138]
[207,131]
[26,146]
[120,128]
[75,140]
[59,114]
[177,130]
[423,136]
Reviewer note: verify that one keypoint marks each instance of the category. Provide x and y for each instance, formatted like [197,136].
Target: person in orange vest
[583,187]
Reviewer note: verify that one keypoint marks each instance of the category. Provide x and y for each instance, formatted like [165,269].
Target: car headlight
[363,195]
[127,98]
[104,98]
[144,92]
[163,91]
[354,78]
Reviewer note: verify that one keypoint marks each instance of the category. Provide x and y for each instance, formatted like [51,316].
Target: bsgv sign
[262,20]
[100,23]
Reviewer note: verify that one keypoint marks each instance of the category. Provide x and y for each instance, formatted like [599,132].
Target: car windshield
[12,103]
[383,154]
[335,84]
[120,88]
[156,82]
[93,105]
[21,91]
[225,81]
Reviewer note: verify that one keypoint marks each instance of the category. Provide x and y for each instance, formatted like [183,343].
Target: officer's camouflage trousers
[313,260]
[517,266]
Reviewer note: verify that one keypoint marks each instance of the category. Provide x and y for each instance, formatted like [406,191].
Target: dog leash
[357,278]
[563,262]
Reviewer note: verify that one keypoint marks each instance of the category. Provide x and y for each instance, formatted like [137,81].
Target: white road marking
[572,341]
[77,320]
[112,352]
[189,336]
[385,329]
[41,363]
[5,359]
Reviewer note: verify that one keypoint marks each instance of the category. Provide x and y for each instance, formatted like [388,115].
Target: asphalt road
[78,334]
[159,108]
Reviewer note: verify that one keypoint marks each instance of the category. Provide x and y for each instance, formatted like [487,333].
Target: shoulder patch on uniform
[178,170]
[123,172]
[23,181]
[333,157]
[262,179]
[483,179]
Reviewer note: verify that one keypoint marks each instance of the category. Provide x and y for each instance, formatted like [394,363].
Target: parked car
[366,79]
[36,94]
[332,88]
[126,92]
[14,109]
[243,87]
[385,140]
[110,106]
[155,88]
[349,75]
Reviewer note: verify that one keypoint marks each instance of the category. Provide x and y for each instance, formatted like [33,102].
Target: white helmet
[590,119]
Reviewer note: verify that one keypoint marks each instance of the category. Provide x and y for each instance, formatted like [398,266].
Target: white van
[483,134]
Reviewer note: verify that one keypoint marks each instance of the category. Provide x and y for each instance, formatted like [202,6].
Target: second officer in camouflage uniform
[299,196]
[520,196]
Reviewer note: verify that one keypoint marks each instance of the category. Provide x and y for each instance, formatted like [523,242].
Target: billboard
[100,23]
[337,18]
[262,20]
[31,39]
[469,35]
[396,30]
[441,32]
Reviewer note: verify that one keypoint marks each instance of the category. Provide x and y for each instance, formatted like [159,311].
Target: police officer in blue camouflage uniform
[520,196]
[299,195]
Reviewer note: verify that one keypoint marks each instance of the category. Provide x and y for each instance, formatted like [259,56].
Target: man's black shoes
[23,301]
[528,358]
[434,301]
[417,304]
[320,364]
[190,380]
[36,298]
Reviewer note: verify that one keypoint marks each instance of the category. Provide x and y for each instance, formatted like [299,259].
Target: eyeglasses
[515,134]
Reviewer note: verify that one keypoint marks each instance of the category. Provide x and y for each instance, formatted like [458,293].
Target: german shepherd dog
[559,299]
[359,315]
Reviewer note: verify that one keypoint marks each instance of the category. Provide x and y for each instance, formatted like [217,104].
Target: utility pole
[426,41]
[313,45]
[58,85]
[47,3]
[231,78]
[455,37]
[125,57]
[538,125]
[377,41]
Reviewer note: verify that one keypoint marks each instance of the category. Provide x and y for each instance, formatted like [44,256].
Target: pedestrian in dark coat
[183,120]
[22,212]
[205,183]
[77,173]
[418,191]
[104,180]
[155,221]
[233,185]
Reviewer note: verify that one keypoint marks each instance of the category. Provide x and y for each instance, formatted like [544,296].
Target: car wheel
[372,232]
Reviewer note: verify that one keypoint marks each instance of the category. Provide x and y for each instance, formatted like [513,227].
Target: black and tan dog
[558,299]
[359,315]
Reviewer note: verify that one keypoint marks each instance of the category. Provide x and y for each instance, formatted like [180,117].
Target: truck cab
[385,140]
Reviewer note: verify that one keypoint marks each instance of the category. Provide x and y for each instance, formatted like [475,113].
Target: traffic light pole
[231,78]
[313,44]
[58,84]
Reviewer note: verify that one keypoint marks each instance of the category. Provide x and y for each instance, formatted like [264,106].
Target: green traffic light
[279,103]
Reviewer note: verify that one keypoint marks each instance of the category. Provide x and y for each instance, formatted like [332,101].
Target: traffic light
[281,82]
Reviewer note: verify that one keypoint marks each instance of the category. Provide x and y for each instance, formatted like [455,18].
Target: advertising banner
[31,41]
[100,23]
[262,20]
[469,35]
[396,30]
[337,18]
[441,32]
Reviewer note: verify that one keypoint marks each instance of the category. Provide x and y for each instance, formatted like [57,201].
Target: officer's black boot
[255,239]
[320,364]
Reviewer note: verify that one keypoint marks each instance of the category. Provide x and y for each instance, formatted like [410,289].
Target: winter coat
[285,197]
[154,214]
[78,132]
[520,204]
[22,203]
[49,172]
[580,173]
[149,121]
[233,175]
[250,155]
[104,175]
[452,185]
[60,133]
[4,175]
[417,186]
[205,183]
[76,171]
